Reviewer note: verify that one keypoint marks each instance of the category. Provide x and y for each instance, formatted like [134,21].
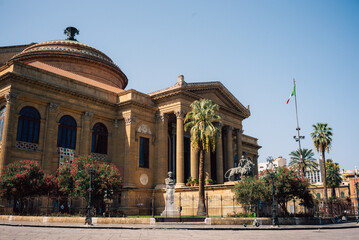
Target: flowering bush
[73,179]
[23,179]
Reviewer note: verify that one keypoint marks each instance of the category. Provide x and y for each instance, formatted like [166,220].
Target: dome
[75,57]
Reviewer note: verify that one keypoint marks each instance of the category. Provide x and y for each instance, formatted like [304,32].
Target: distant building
[316,175]
[278,162]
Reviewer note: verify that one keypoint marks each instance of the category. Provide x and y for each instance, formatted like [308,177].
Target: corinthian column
[219,156]
[8,129]
[229,142]
[239,143]
[194,162]
[179,149]
[160,172]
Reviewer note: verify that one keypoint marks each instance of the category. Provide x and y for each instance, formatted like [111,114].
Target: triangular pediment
[219,95]
[215,91]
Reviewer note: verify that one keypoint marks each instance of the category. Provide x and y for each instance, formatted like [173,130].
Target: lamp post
[270,166]
[88,219]
[357,189]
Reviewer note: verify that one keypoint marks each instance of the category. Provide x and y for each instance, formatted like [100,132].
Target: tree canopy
[333,175]
[306,163]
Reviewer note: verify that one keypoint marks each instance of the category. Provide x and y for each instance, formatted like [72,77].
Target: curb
[165,227]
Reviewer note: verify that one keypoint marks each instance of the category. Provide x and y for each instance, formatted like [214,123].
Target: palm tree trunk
[201,211]
[303,170]
[324,178]
[333,192]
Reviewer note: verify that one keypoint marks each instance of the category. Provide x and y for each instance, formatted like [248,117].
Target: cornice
[56,89]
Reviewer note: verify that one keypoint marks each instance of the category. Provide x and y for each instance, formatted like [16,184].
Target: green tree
[23,179]
[201,121]
[251,189]
[333,175]
[322,139]
[307,162]
[288,184]
[73,180]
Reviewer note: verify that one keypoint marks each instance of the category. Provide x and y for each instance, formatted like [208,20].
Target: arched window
[99,138]
[28,127]
[342,195]
[66,136]
[2,121]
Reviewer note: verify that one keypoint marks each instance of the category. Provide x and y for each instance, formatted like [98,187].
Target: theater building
[60,99]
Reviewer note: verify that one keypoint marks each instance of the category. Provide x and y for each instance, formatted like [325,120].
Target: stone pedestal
[170,208]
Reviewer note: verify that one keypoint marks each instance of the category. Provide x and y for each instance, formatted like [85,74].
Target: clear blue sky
[255,48]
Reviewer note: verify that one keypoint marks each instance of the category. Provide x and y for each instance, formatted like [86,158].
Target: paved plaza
[38,233]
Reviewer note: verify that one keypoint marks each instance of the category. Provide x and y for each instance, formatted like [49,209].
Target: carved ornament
[88,115]
[144,129]
[130,120]
[180,113]
[11,97]
[53,107]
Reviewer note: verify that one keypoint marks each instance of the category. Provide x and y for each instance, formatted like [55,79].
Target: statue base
[170,213]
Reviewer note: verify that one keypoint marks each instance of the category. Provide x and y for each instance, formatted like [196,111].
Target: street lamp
[357,189]
[88,219]
[270,166]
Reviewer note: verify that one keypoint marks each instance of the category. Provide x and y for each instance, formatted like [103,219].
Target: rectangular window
[144,152]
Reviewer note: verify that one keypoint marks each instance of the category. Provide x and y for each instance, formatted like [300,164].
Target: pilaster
[86,136]
[50,141]
[9,131]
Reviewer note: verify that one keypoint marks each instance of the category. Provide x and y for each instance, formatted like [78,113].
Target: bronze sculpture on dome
[71,32]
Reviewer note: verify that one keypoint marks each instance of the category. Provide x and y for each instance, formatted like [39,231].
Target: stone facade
[69,79]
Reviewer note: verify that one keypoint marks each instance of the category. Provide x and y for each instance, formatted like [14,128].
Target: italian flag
[292,94]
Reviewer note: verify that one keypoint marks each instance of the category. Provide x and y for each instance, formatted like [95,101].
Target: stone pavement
[169,232]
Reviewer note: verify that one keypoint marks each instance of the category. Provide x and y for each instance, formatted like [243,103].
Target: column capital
[229,128]
[180,113]
[238,131]
[130,120]
[116,123]
[11,97]
[87,115]
[53,106]
[161,117]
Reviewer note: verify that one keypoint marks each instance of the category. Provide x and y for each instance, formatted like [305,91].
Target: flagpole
[298,129]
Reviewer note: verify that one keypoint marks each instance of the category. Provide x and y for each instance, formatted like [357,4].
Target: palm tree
[201,121]
[333,175]
[307,162]
[322,139]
